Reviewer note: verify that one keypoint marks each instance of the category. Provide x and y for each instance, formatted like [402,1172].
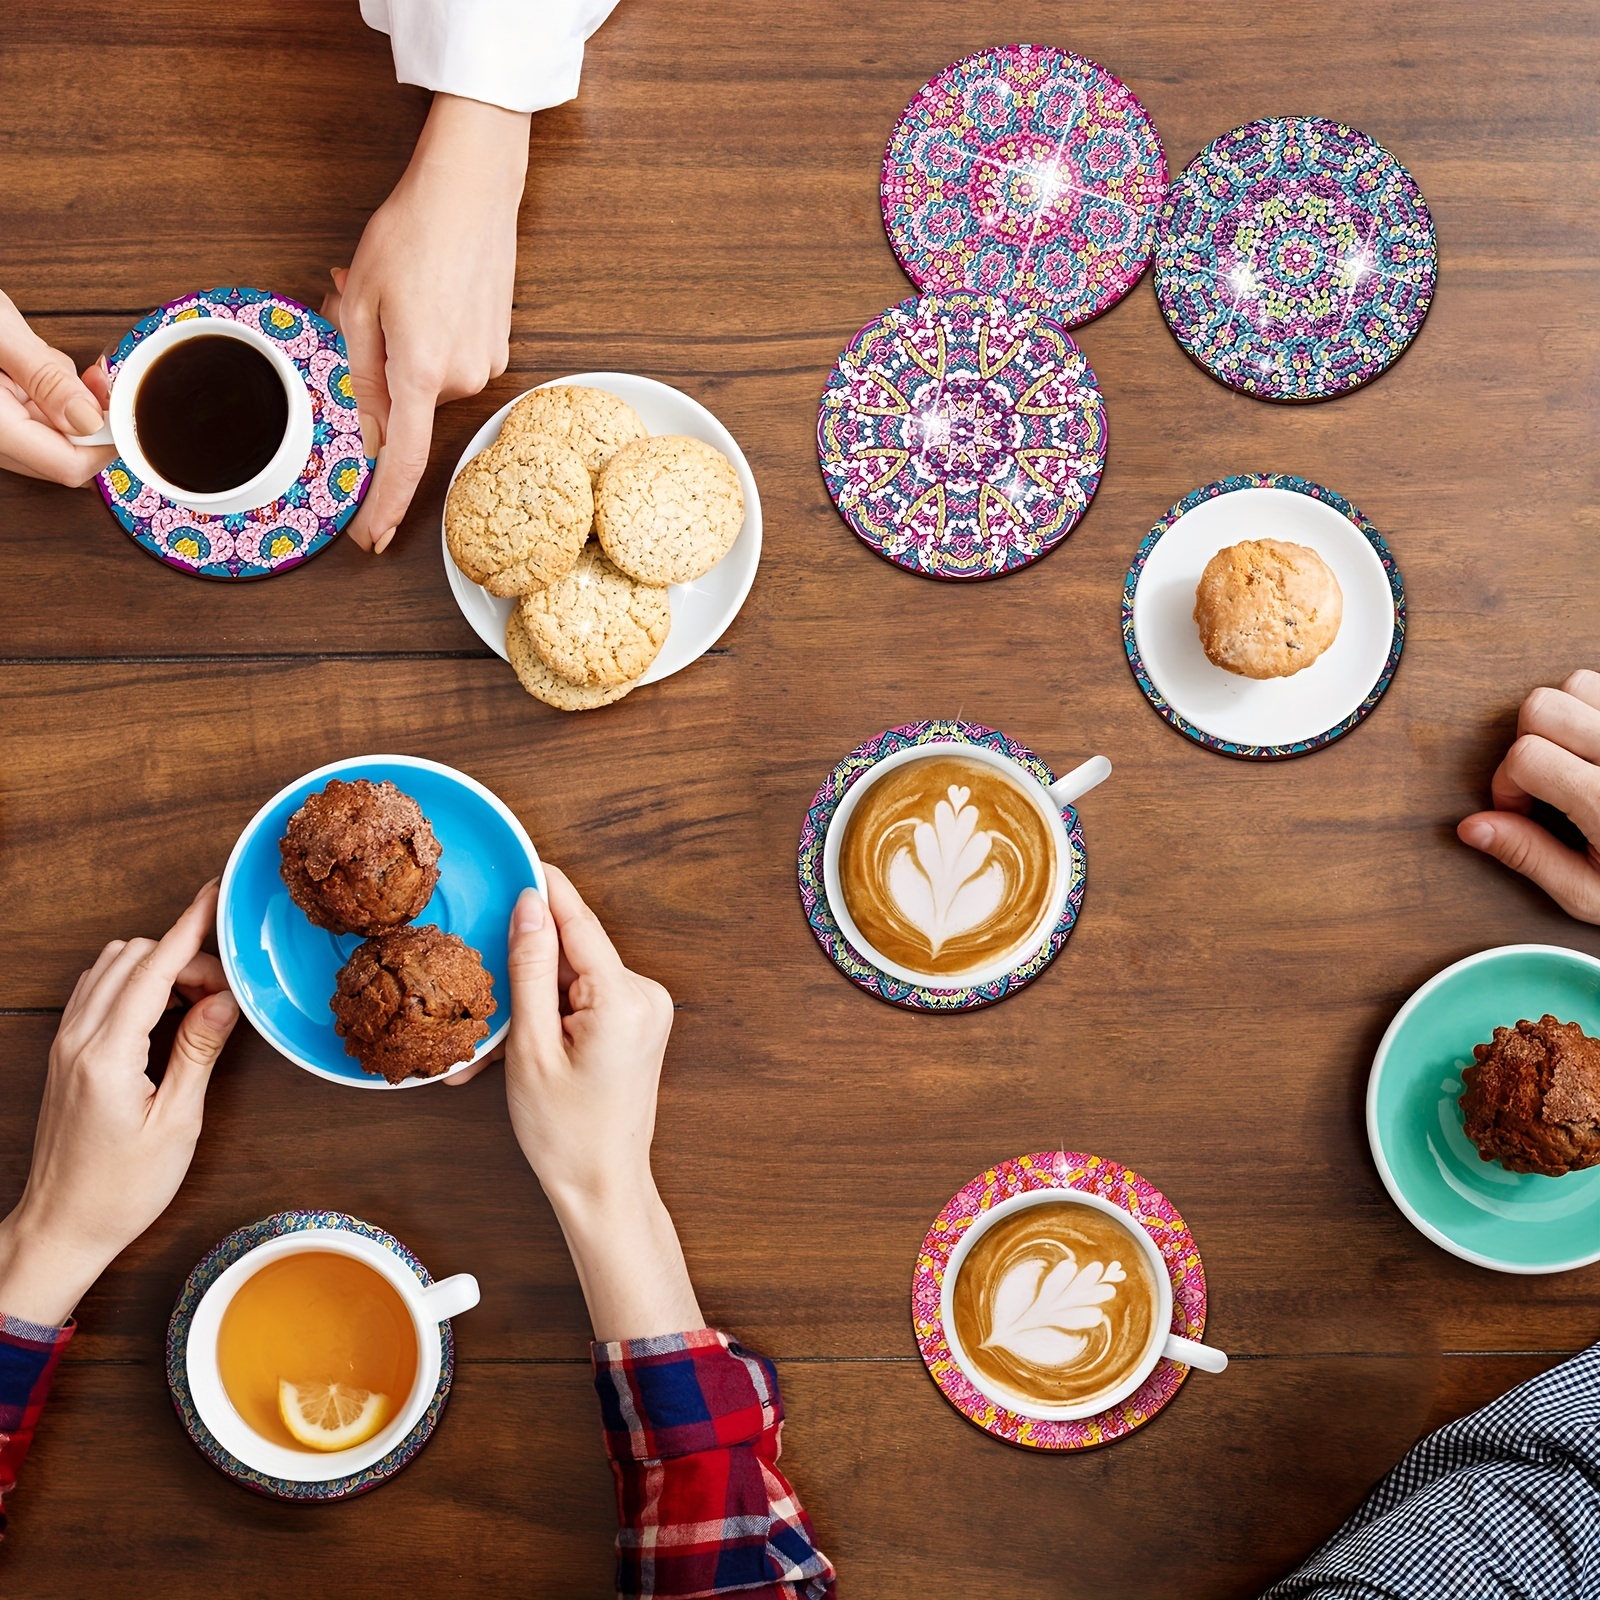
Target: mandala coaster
[1295,259]
[961,436]
[814,896]
[275,537]
[1025,172]
[215,1263]
[1397,595]
[1058,1170]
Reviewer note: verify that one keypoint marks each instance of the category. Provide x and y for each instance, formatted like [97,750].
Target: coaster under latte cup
[1027,172]
[297,521]
[960,436]
[1519,1222]
[1262,719]
[1295,259]
[233,1249]
[899,987]
[1066,1172]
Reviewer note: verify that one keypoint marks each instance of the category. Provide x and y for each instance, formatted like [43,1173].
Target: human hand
[583,1062]
[425,307]
[111,1148]
[1556,758]
[42,400]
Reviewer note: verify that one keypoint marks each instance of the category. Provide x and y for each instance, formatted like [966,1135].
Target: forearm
[629,1261]
[468,141]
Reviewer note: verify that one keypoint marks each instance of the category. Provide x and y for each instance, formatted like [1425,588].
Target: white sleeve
[520,54]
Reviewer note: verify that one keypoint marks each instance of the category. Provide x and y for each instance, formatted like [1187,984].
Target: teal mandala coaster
[215,1263]
[302,522]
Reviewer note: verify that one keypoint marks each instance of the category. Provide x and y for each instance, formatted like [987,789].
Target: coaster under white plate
[1262,719]
[702,610]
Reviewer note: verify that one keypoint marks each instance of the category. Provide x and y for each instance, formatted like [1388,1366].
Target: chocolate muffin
[360,857]
[411,1003]
[1533,1099]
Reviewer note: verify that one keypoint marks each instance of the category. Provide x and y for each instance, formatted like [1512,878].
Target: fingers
[148,972]
[585,943]
[202,976]
[533,954]
[1583,685]
[364,343]
[1570,879]
[34,448]
[1564,717]
[467,1074]
[1536,768]
[407,435]
[201,1036]
[49,377]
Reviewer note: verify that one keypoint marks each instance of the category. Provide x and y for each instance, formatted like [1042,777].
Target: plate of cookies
[1263,616]
[1483,1109]
[362,920]
[600,533]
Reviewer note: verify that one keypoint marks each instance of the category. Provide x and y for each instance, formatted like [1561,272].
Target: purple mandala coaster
[1058,1170]
[961,436]
[814,895]
[1026,172]
[1295,259]
[275,537]
[212,1266]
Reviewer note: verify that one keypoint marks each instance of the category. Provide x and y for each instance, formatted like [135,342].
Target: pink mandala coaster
[307,518]
[1058,1170]
[1027,172]
[962,436]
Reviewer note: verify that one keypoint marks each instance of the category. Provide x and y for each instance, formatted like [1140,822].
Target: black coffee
[210,413]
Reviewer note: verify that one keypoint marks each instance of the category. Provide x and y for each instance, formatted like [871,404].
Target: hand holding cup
[43,403]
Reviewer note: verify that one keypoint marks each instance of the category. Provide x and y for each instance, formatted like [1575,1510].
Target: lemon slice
[330,1416]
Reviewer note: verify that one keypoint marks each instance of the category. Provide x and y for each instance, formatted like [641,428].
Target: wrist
[41,1278]
[475,139]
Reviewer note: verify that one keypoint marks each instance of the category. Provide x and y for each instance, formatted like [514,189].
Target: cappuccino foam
[1055,1304]
[947,865]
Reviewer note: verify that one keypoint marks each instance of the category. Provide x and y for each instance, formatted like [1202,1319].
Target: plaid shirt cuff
[693,1427]
[29,1353]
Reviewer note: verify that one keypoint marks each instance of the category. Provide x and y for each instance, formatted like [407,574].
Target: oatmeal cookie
[548,686]
[594,423]
[596,626]
[667,509]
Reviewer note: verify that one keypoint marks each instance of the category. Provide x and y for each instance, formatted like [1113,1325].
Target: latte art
[948,865]
[1055,1304]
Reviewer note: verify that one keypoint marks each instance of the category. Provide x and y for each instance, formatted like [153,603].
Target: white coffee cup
[275,479]
[1160,1344]
[429,1305]
[1048,801]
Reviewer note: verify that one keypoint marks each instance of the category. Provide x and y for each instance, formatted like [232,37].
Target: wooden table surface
[707,213]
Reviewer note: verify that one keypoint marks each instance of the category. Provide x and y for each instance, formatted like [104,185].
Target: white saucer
[702,610]
[1262,717]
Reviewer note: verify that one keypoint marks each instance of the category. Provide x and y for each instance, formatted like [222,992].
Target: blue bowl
[1510,1221]
[283,970]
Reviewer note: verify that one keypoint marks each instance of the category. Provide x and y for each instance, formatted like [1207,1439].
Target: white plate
[1255,714]
[702,610]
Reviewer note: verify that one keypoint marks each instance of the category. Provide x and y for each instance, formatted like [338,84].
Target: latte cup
[429,1305]
[273,480]
[1161,1342]
[1047,800]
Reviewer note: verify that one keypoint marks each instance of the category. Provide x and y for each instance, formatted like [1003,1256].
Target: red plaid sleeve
[28,1357]
[692,1425]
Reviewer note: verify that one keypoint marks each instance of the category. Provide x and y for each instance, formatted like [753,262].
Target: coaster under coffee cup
[1099,1285]
[428,1305]
[263,486]
[920,856]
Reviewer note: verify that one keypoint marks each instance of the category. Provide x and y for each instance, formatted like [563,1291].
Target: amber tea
[317,1351]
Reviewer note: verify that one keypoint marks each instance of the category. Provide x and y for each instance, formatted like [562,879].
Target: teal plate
[1510,1221]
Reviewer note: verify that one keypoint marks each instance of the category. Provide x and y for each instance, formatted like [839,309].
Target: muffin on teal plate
[1476,1209]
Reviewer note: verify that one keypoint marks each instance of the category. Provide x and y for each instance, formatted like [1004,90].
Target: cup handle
[450,1297]
[1204,1356]
[1066,790]
[100,436]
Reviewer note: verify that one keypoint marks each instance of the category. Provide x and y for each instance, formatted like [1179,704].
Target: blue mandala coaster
[214,1264]
[962,436]
[814,896]
[302,522]
[1374,610]
[1295,259]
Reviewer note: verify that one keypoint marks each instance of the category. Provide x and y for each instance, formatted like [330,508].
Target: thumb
[201,1036]
[533,956]
[1570,879]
